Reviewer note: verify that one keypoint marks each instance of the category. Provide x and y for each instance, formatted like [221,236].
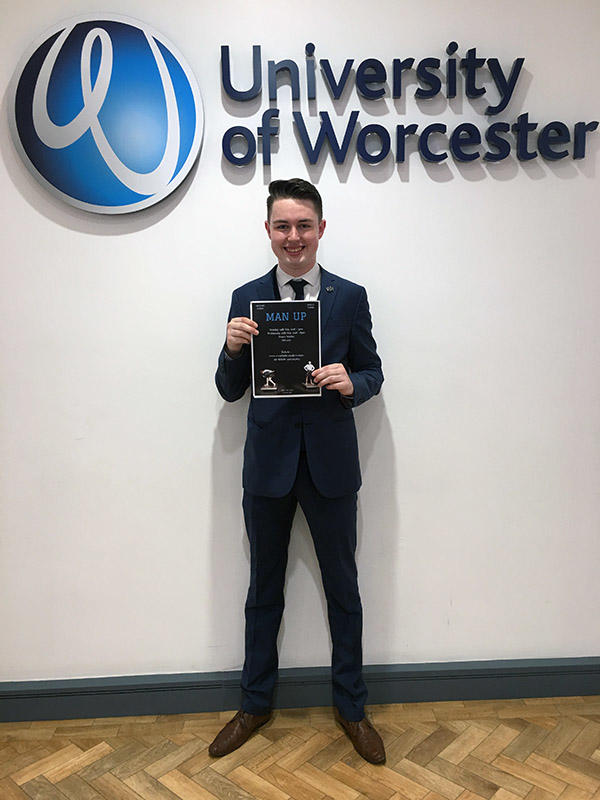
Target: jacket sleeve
[233,373]
[365,365]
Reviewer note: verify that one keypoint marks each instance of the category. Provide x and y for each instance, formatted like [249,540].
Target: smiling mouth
[293,251]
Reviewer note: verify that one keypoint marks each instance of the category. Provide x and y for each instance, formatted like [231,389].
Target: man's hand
[240,331]
[334,376]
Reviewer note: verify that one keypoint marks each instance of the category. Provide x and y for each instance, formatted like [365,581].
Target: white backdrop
[122,543]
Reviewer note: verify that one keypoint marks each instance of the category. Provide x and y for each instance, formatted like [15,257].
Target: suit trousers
[332,523]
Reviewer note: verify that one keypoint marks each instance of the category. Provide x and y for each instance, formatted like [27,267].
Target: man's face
[294,230]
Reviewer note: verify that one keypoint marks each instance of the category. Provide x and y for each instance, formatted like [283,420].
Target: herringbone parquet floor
[539,749]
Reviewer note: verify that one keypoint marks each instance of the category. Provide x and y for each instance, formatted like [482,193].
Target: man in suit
[302,450]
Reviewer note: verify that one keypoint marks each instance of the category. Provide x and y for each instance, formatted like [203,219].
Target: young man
[302,450]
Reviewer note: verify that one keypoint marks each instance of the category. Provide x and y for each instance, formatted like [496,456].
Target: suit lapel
[327,295]
[266,287]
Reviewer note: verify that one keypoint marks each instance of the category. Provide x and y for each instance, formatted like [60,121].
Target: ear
[268,228]
[322,225]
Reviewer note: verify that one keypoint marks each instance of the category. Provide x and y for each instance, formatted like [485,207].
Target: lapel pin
[329,288]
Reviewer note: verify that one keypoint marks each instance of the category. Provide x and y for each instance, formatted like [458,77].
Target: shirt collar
[311,277]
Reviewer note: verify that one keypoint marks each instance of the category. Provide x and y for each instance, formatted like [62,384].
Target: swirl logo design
[107,114]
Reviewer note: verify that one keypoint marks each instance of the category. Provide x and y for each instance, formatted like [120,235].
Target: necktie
[298,285]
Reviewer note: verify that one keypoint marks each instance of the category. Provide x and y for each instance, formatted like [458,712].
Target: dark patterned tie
[298,285]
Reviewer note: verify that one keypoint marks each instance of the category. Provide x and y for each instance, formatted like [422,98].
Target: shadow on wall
[229,551]
[403,160]
[377,550]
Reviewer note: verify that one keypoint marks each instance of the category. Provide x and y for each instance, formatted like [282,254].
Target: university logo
[106,114]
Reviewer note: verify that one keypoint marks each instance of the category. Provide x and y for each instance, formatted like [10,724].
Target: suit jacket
[277,427]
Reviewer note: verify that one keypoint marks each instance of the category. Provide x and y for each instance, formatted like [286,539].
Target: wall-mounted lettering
[373,80]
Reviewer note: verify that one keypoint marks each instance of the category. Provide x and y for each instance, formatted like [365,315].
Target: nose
[293,233]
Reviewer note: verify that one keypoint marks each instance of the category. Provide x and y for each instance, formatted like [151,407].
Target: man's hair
[296,189]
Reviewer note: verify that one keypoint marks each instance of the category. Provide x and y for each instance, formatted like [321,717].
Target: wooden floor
[537,749]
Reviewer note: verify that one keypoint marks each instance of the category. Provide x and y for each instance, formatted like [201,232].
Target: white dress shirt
[311,290]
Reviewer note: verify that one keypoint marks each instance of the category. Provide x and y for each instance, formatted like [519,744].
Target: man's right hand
[240,331]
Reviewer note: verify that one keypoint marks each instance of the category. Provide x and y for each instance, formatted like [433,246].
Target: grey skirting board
[297,688]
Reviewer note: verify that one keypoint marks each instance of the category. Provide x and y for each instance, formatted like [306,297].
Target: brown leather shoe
[367,742]
[237,731]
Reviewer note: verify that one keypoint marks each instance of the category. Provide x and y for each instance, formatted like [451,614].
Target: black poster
[287,348]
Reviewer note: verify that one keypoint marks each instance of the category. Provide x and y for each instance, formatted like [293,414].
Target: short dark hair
[296,189]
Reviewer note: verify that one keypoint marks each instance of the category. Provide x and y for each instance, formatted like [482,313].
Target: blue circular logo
[106,114]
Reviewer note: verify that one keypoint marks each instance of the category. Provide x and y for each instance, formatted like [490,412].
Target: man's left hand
[334,376]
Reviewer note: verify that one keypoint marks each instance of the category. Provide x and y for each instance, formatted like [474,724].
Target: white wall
[122,543]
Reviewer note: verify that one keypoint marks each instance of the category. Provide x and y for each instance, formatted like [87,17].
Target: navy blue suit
[305,450]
